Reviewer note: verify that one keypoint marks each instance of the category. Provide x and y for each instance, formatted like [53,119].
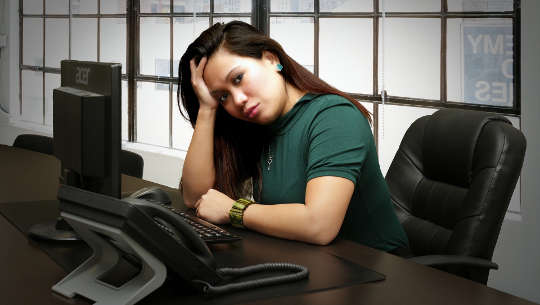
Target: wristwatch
[236,213]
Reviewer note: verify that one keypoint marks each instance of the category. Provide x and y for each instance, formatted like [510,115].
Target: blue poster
[488,64]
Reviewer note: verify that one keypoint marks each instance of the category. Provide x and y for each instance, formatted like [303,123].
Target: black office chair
[131,164]
[42,144]
[451,182]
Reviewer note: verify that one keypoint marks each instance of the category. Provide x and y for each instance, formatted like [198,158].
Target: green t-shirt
[326,135]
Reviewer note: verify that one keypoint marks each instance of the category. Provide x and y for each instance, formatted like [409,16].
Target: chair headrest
[449,143]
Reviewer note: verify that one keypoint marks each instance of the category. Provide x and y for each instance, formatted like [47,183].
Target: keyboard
[209,232]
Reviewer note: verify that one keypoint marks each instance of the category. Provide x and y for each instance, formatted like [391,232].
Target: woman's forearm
[291,221]
[198,173]
[317,221]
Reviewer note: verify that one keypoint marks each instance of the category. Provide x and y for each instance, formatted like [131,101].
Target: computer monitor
[87,125]
[86,134]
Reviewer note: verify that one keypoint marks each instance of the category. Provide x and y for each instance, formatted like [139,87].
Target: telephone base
[85,279]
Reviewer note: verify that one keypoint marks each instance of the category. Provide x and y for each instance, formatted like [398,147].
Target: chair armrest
[441,260]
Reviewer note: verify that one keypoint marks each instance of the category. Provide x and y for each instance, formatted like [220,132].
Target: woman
[307,147]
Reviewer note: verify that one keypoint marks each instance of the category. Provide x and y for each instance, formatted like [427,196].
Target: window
[419,55]
[460,53]
[166,28]
[53,30]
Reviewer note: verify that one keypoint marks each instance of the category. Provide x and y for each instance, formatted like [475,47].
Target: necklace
[269,158]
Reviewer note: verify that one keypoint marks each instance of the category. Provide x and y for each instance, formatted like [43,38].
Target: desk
[28,273]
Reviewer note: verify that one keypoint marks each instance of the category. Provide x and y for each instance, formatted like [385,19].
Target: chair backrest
[451,182]
[42,144]
[131,163]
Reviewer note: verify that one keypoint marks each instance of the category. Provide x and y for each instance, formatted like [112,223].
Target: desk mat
[327,271]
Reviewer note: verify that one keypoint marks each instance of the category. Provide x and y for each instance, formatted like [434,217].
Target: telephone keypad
[209,232]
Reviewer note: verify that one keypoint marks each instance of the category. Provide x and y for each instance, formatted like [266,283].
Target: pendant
[269,159]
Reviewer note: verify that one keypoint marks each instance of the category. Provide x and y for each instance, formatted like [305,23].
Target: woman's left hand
[214,206]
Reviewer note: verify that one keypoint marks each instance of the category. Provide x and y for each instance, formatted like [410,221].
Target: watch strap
[236,213]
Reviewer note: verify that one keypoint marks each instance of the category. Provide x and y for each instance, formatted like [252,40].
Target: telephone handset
[172,241]
[176,228]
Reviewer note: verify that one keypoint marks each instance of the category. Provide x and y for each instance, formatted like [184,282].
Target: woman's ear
[270,58]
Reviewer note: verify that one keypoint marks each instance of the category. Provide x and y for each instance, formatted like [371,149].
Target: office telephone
[158,238]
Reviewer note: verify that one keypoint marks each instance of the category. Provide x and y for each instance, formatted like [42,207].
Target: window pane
[151,6]
[84,6]
[113,41]
[411,57]
[292,6]
[155,46]
[410,6]
[369,107]
[185,32]
[84,39]
[229,19]
[480,61]
[181,6]
[124,111]
[52,81]
[480,5]
[113,6]
[32,96]
[153,113]
[296,36]
[33,41]
[181,129]
[227,6]
[346,54]
[346,6]
[32,7]
[56,41]
[60,7]
[393,123]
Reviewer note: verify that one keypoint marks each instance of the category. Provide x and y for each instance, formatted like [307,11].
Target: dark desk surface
[28,273]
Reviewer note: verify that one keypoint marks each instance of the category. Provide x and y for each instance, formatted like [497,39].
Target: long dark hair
[236,159]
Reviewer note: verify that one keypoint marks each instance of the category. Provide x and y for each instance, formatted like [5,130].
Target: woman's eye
[223,98]
[237,79]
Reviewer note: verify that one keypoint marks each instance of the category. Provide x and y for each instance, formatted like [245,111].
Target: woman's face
[249,89]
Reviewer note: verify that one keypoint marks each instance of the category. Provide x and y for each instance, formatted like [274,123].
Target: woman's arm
[198,173]
[317,221]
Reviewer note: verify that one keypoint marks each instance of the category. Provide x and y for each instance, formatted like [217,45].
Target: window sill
[154,149]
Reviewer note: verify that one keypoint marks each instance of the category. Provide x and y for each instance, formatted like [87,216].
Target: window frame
[43,68]
[260,17]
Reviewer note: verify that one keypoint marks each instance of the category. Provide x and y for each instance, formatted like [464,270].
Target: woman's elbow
[189,201]
[324,240]
[322,235]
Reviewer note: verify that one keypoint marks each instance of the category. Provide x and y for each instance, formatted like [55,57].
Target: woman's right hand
[199,86]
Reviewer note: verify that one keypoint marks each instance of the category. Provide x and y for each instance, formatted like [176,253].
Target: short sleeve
[339,138]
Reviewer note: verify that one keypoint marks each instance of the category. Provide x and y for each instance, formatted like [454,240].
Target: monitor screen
[87,125]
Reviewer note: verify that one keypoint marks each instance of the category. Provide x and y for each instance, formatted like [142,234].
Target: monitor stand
[58,230]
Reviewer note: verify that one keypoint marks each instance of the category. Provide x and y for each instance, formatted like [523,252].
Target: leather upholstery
[42,144]
[131,163]
[451,182]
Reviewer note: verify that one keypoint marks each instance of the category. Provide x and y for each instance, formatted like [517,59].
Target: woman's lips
[252,111]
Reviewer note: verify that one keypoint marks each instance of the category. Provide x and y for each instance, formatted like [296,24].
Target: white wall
[4,56]
[518,249]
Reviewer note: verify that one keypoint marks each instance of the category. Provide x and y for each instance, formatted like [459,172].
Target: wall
[518,248]
[4,56]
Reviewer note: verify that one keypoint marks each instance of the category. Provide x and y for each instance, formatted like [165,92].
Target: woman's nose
[239,98]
